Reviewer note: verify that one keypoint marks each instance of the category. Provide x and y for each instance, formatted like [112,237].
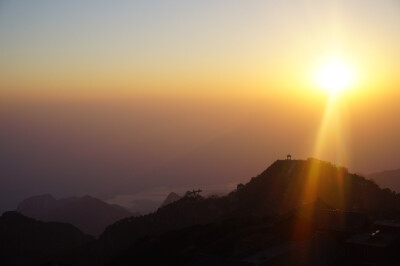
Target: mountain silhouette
[289,239]
[172,197]
[26,241]
[283,187]
[295,212]
[387,179]
[89,214]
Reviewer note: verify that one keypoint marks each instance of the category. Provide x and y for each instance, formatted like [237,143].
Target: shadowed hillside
[296,211]
[25,241]
[283,187]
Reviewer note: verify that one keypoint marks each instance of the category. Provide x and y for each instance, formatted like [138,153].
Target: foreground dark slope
[248,240]
[278,213]
[284,186]
[25,241]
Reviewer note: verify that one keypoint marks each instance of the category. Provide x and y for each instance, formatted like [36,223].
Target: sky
[123,98]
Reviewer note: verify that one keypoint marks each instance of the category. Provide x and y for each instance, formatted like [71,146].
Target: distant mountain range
[89,214]
[387,179]
[294,212]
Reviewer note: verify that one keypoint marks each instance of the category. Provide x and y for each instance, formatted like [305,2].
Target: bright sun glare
[335,75]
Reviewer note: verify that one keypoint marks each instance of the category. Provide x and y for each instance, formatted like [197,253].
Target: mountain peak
[172,197]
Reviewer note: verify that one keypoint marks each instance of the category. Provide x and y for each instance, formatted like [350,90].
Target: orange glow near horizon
[291,65]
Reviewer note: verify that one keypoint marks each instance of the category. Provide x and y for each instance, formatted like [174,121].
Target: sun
[335,75]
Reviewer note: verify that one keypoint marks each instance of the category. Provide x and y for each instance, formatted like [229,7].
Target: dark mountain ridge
[284,186]
[89,214]
[26,241]
[281,211]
